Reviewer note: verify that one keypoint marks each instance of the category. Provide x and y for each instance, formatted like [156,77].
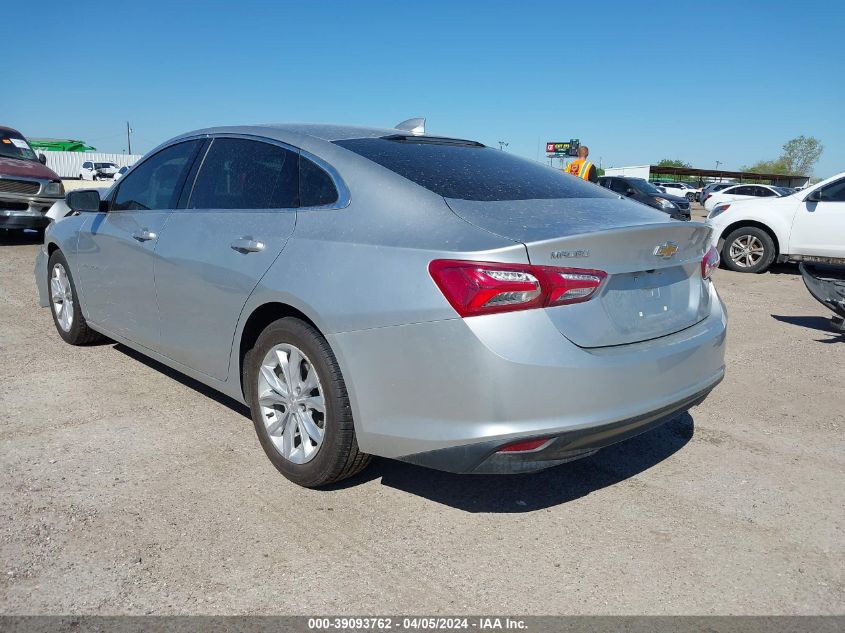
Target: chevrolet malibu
[389,292]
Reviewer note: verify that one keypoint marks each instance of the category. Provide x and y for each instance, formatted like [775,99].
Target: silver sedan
[389,292]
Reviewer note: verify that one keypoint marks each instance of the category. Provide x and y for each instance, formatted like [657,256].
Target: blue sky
[636,81]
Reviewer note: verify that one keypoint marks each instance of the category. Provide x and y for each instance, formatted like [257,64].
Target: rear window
[470,171]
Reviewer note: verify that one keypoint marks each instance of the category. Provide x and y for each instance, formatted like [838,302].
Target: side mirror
[816,196]
[42,159]
[83,201]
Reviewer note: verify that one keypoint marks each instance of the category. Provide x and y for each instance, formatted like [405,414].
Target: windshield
[644,186]
[470,171]
[784,191]
[103,165]
[15,146]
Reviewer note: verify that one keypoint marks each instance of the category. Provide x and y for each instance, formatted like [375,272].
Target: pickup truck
[806,226]
[27,187]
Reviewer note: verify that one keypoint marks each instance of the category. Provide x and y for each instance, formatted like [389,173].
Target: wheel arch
[262,316]
[764,227]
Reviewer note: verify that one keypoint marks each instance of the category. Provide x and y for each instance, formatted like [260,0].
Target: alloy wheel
[292,403]
[62,297]
[746,251]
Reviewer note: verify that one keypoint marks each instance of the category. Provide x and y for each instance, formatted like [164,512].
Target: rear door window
[156,182]
[470,171]
[244,174]
[316,187]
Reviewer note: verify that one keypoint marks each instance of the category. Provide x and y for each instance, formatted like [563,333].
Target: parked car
[643,191]
[380,292]
[805,226]
[680,189]
[711,188]
[27,186]
[121,172]
[744,192]
[91,170]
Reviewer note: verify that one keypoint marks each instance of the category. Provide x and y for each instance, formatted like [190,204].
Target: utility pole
[503,145]
[128,137]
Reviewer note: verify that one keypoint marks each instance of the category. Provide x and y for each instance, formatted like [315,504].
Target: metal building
[68,164]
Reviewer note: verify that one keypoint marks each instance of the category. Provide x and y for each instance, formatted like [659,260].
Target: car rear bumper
[463,388]
[485,458]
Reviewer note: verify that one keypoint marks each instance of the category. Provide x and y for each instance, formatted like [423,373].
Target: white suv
[808,225]
[94,171]
[681,189]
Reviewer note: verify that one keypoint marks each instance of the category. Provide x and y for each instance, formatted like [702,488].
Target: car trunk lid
[654,285]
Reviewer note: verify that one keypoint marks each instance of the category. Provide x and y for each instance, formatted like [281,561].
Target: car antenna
[415,126]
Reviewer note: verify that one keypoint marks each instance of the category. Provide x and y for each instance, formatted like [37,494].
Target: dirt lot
[126,488]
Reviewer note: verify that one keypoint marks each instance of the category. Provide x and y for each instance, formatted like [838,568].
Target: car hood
[14,167]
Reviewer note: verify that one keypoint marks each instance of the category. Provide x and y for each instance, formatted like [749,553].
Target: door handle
[144,235]
[247,245]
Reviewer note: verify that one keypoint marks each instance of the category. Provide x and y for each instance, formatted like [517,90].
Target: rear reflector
[526,445]
[475,288]
[709,263]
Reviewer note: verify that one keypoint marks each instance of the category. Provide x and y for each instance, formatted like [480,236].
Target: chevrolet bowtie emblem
[666,250]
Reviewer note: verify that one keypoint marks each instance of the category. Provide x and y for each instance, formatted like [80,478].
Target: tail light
[707,197]
[475,288]
[709,263]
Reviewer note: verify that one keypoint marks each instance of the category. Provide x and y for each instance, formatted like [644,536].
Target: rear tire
[289,375]
[748,249]
[64,304]
[690,197]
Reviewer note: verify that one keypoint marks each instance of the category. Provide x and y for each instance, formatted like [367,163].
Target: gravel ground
[126,488]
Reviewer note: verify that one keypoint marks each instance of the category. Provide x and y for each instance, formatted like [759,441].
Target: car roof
[319,131]
[9,130]
[313,137]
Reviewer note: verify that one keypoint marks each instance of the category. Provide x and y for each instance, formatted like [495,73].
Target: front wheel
[64,304]
[748,249]
[300,406]
[690,197]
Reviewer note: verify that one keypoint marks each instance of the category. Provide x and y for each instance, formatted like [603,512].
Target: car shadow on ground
[822,324]
[196,385]
[784,269]
[535,491]
[494,493]
[20,238]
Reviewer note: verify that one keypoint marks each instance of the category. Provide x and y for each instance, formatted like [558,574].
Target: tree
[798,157]
[800,154]
[777,166]
[673,162]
